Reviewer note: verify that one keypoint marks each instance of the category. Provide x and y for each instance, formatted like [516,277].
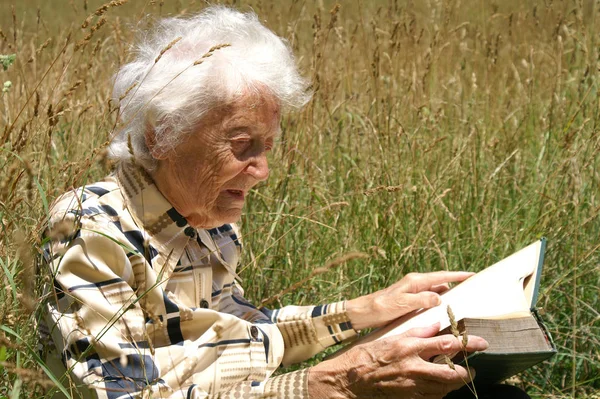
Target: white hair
[172,95]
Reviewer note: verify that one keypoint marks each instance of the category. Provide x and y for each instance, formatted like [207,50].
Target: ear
[150,137]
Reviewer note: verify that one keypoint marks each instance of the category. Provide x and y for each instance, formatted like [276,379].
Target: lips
[236,194]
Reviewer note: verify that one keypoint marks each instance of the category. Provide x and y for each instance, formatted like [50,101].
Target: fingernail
[485,344]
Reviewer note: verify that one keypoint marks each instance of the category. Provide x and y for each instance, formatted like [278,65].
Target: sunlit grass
[441,136]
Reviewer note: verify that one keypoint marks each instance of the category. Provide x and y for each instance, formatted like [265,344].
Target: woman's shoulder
[87,204]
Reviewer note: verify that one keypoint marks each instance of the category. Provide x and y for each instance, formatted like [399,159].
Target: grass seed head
[453,323]
[449,362]
[167,48]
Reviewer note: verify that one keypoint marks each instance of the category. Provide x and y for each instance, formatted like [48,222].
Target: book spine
[543,327]
[536,287]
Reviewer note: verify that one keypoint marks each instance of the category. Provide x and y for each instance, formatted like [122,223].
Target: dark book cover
[515,345]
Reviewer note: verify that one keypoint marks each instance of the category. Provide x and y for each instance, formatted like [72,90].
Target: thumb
[423,332]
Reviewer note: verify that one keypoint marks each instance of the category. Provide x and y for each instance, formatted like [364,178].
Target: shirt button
[190,232]
[204,304]
[254,332]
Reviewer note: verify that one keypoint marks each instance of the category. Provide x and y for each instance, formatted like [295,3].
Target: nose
[258,167]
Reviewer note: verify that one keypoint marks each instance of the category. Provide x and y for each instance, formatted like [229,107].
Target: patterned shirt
[144,305]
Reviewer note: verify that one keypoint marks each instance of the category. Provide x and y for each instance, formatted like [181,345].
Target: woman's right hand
[394,367]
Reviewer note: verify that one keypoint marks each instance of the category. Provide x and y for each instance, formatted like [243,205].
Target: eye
[240,144]
[269,145]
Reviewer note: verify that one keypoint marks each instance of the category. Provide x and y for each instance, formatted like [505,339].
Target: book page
[492,293]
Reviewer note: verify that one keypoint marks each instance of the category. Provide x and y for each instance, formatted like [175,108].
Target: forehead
[256,114]
[254,106]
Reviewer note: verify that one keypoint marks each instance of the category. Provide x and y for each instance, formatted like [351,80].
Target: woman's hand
[413,291]
[394,367]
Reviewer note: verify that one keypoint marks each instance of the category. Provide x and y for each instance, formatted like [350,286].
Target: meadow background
[441,135]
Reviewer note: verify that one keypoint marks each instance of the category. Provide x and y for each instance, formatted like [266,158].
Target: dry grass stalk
[101,10]
[378,189]
[30,178]
[36,105]
[85,109]
[88,37]
[39,49]
[453,323]
[96,26]
[21,138]
[27,274]
[464,341]
[130,147]
[320,270]
[515,84]
[96,49]
[127,91]
[71,89]
[167,48]
[9,343]
[15,26]
[449,362]
[210,52]
[28,375]
[333,13]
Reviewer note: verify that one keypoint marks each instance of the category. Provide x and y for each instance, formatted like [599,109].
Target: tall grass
[442,135]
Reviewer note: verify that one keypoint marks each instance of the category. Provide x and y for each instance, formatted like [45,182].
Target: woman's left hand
[413,291]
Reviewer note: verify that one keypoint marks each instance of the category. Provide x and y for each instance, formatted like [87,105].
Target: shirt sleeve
[96,318]
[306,330]
[104,329]
[292,385]
[101,326]
[121,334]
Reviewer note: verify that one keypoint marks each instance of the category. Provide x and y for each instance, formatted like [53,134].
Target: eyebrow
[231,131]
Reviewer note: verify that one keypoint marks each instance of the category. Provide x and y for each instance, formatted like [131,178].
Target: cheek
[195,181]
[228,166]
[211,176]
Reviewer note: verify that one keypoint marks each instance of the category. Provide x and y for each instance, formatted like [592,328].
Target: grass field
[442,135]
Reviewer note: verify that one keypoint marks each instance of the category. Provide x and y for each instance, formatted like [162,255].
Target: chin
[232,217]
[217,218]
[225,216]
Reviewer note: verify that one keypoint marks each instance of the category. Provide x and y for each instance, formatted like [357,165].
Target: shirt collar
[149,208]
[167,228]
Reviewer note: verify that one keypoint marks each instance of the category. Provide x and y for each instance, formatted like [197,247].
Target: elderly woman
[145,301]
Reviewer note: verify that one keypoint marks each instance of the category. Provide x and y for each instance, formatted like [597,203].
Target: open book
[497,304]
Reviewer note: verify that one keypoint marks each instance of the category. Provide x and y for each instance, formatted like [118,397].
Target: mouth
[236,194]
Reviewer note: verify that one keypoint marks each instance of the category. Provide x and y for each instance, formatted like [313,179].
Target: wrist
[359,311]
[325,381]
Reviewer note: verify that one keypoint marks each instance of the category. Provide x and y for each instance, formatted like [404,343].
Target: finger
[409,302]
[448,344]
[422,332]
[454,377]
[440,288]
[417,282]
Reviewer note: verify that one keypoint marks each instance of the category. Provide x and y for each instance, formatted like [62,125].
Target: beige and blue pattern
[143,305]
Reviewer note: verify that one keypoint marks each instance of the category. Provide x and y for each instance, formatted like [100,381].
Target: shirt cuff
[332,324]
[292,385]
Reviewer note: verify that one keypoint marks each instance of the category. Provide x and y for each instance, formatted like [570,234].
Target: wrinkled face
[208,176]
